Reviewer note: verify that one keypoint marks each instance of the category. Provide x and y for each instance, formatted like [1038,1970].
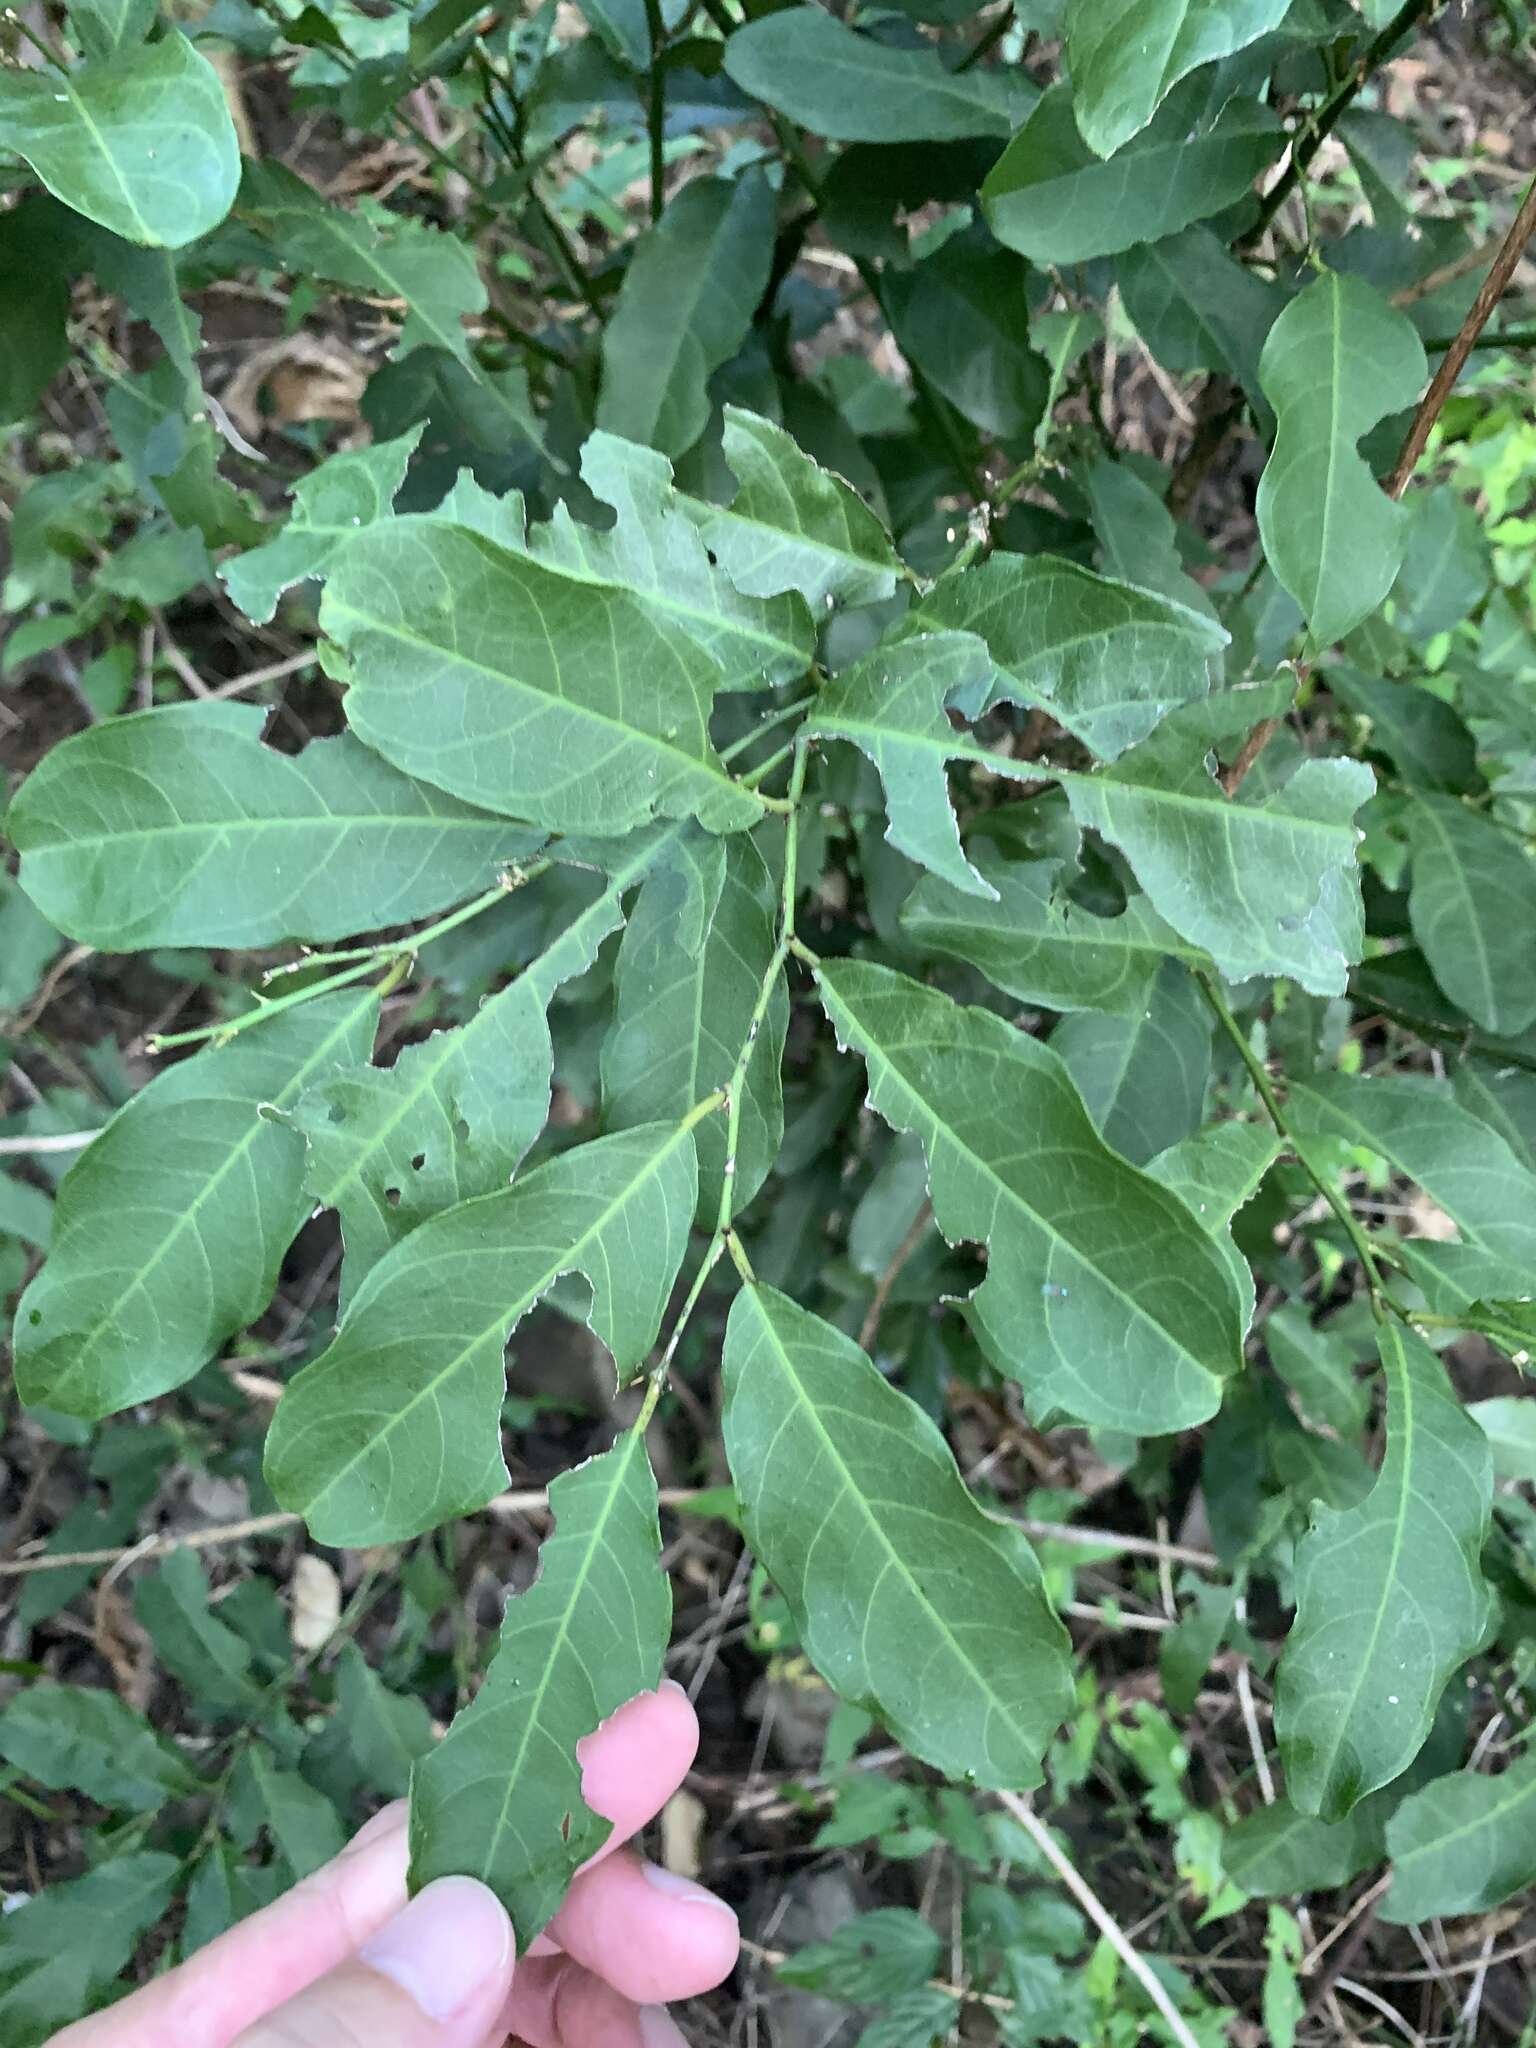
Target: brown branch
[1253,746]
[1454,360]
[892,1273]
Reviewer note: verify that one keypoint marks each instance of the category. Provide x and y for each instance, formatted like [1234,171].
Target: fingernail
[452,1941]
[658,2029]
[671,1685]
[683,1888]
[387,1821]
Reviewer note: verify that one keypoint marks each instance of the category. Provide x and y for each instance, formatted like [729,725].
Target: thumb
[436,1976]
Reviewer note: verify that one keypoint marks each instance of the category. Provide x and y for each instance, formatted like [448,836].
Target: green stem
[222,1033]
[1381,1303]
[1307,144]
[1512,337]
[766,725]
[765,768]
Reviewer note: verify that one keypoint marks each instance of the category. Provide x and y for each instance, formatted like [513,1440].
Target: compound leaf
[1338,360]
[177,827]
[396,1426]
[1111,1303]
[1126,55]
[682,1011]
[499,1798]
[909,1600]
[1472,904]
[1463,1844]
[141,142]
[170,1226]
[1390,1600]
[568,703]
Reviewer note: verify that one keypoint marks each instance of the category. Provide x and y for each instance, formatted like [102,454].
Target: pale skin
[342,1961]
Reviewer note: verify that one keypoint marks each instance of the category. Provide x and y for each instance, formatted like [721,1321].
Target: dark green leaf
[1417,731]
[685,306]
[208,1658]
[84,1739]
[500,1797]
[178,827]
[564,702]
[1054,201]
[1143,1076]
[871,1959]
[1275,1850]
[1390,1600]
[1463,1844]
[854,1506]
[682,1010]
[804,63]
[1338,360]
[1198,309]
[1115,1308]
[1473,908]
[1127,55]
[60,1951]
[170,1226]
[396,1427]
[962,319]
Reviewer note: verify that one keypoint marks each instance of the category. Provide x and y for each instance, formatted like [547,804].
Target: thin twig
[1232,778]
[1088,1899]
[1494,285]
[892,1274]
[58,1141]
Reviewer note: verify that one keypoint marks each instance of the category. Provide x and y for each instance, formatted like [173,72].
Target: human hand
[342,1961]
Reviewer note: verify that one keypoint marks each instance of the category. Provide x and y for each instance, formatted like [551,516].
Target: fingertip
[636,1760]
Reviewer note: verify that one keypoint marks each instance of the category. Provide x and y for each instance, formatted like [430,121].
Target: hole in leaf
[418,1162]
[392,1196]
[565,1827]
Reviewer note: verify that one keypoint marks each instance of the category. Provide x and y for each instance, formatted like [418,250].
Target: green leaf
[804,63]
[870,1959]
[1275,1851]
[1138,536]
[1317,1364]
[1463,1165]
[909,1600]
[452,1118]
[962,319]
[1035,943]
[1283,2004]
[25,1212]
[1196,308]
[60,1951]
[1390,1600]
[1472,904]
[1127,55]
[191,1642]
[141,142]
[380,1734]
[563,702]
[34,306]
[1142,1077]
[682,1011]
[301,1823]
[103,27]
[1446,568]
[28,942]
[1052,199]
[1265,882]
[655,550]
[500,1797]
[388,256]
[396,1427]
[1115,1307]
[1107,660]
[84,1739]
[355,488]
[178,827]
[684,309]
[793,525]
[1338,360]
[1417,731]
[1465,1843]
[891,705]
[170,1227]
[1509,1423]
